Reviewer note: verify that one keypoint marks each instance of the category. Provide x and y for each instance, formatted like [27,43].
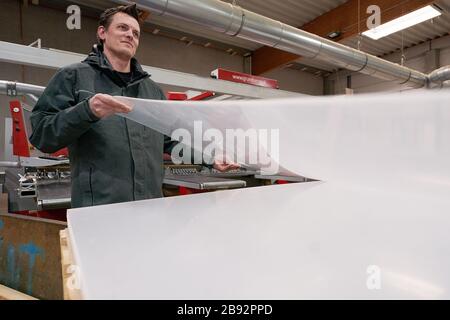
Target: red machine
[181,96]
[20,142]
[22,148]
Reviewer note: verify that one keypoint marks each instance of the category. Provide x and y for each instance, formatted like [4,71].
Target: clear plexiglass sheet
[392,139]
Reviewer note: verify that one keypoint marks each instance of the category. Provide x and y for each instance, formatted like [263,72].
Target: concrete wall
[445,57]
[25,24]
[297,81]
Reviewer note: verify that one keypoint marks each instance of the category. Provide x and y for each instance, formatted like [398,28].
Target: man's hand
[104,105]
[225,166]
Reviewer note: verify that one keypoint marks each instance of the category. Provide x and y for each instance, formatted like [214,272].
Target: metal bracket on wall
[11,89]
[36,44]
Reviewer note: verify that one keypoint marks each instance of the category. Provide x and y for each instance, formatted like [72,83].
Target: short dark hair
[107,15]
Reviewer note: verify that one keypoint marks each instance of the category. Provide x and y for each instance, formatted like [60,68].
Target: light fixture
[334,34]
[403,22]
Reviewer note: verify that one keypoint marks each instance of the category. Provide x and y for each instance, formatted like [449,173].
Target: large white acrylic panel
[298,241]
[377,227]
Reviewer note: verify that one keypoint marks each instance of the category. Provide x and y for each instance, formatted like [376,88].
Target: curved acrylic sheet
[382,139]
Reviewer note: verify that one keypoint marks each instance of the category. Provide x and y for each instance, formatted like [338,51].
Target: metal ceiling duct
[440,75]
[235,21]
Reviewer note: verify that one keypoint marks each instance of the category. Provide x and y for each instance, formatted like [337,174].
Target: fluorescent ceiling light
[403,22]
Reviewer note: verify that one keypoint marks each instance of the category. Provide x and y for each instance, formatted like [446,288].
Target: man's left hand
[225,166]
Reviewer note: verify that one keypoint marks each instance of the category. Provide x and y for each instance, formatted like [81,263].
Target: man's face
[122,36]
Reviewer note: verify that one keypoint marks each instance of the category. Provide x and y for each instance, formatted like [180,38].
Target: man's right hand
[104,105]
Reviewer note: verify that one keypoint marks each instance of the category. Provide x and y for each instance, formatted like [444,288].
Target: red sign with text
[239,77]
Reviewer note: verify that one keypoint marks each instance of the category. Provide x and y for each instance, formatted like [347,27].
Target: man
[112,159]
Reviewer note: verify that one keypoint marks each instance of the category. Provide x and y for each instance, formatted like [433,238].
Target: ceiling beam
[343,19]
[143,15]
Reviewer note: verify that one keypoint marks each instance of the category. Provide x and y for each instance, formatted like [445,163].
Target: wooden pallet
[42,279]
[10,294]
[3,203]
[69,275]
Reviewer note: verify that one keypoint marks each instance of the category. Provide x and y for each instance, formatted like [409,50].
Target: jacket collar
[97,59]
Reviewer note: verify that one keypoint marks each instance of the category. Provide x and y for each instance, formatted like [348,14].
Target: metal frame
[55,59]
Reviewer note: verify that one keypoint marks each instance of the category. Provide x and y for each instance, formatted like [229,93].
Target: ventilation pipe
[440,75]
